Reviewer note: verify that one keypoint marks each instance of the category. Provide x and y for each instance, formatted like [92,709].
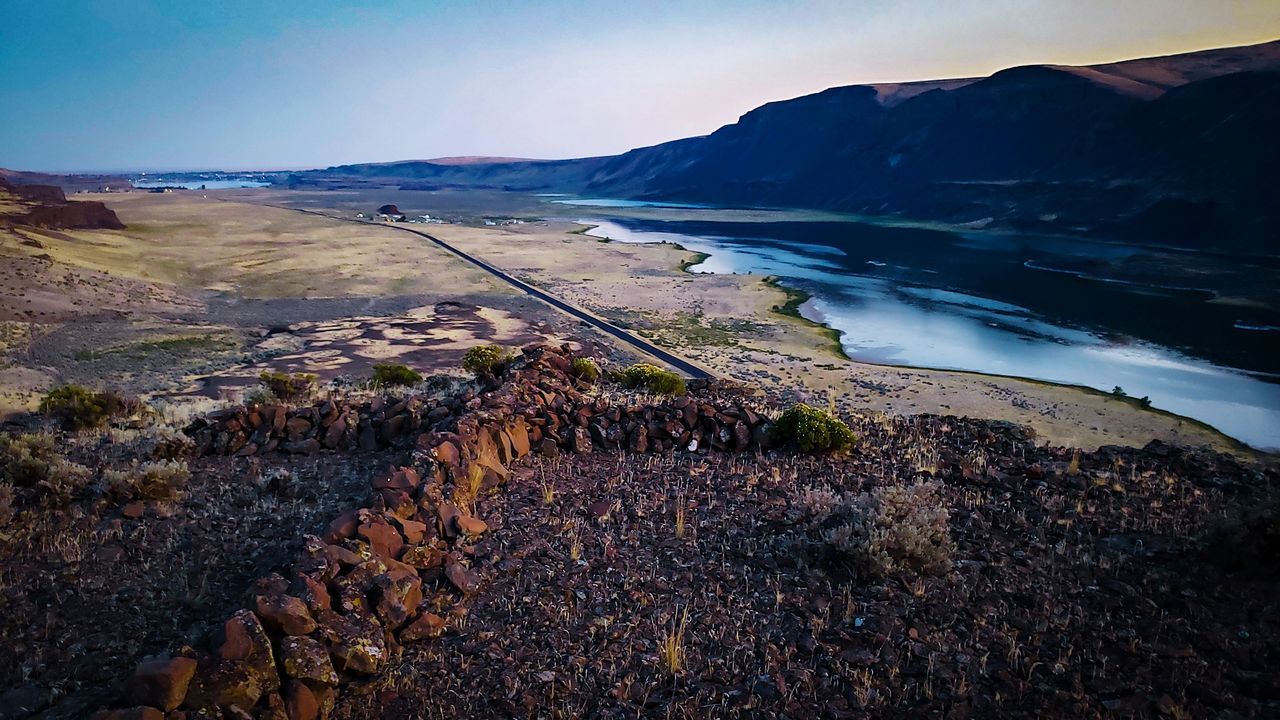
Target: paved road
[635,341]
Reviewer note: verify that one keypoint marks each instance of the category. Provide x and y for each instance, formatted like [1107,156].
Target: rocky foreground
[538,546]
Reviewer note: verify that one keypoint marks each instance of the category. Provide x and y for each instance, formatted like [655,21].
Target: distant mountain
[1181,149]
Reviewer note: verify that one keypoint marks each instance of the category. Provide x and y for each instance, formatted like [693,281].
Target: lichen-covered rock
[307,659]
[356,642]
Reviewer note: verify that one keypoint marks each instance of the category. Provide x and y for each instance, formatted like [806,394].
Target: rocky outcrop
[48,207]
[379,574]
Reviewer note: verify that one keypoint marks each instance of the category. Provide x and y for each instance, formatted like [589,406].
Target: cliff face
[1176,150]
[47,206]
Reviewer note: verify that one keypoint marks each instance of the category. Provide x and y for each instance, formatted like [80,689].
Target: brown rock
[297,428]
[461,577]
[300,703]
[134,510]
[401,479]
[447,453]
[399,595]
[285,613]
[134,713]
[469,525]
[313,592]
[161,683]
[413,531]
[428,626]
[548,448]
[423,557]
[383,538]
[355,641]
[448,514]
[307,659]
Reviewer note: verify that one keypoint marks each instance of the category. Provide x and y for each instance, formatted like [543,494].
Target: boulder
[307,659]
[383,538]
[355,640]
[285,613]
[399,595]
[428,626]
[161,683]
[300,703]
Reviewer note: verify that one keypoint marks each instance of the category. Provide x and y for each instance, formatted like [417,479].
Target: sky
[244,84]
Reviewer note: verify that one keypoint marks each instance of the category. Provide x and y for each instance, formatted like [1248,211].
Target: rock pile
[379,575]
[542,397]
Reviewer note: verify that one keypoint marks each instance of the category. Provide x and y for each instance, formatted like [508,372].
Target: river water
[1019,306]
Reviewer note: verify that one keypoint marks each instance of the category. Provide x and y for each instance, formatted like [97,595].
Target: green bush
[652,378]
[393,374]
[484,360]
[78,408]
[814,430]
[288,386]
[585,368]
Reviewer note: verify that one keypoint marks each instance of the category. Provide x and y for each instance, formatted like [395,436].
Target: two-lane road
[629,338]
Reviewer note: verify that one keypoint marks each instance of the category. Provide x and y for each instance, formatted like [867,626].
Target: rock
[581,440]
[741,436]
[401,479]
[547,448]
[307,659]
[447,453]
[161,683]
[300,703]
[639,440]
[296,428]
[413,531]
[355,641]
[469,525]
[448,514]
[313,592]
[428,626]
[134,510]
[342,527]
[423,557]
[383,538]
[223,684]
[399,595]
[285,613]
[461,577]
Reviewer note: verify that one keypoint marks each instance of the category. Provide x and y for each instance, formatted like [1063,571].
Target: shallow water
[200,184]
[1009,306]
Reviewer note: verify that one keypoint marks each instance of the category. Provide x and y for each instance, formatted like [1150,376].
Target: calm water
[196,184]
[1005,305]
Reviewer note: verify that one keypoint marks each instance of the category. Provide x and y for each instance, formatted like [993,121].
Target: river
[1031,307]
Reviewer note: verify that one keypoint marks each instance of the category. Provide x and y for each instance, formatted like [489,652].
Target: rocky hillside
[540,539]
[1172,150]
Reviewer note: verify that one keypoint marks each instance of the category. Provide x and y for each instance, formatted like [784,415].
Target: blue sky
[177,84]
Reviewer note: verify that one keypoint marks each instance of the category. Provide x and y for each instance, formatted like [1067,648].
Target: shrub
[895,528]
[585,368]
[162,480]
[79,408]
[288,386]
[30,461]
[651,378]
[811,429]
[484,360]
[393,374]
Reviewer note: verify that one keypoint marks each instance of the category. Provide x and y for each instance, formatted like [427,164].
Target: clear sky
[188,84]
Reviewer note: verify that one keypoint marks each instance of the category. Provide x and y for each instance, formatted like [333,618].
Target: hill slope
[1172,149]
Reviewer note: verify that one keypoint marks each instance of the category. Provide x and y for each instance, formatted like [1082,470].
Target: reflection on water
[965,302]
